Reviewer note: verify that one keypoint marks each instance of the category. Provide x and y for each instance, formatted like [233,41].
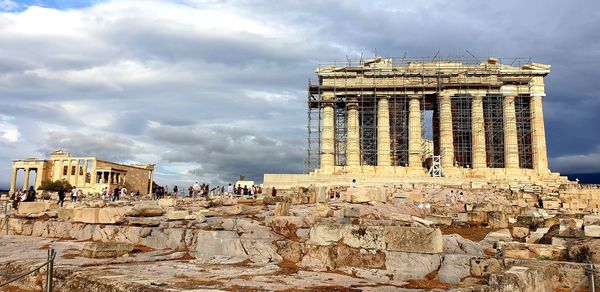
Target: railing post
[592,281]
[49,270]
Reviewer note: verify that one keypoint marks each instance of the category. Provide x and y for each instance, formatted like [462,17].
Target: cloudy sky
[219,87]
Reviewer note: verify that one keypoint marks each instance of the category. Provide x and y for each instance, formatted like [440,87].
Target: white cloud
[8,131]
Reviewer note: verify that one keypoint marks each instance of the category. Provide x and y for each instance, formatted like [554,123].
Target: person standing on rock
[175,190]
[196,189]
[61,196]
[123,192]
[274,192]
[353,183]
[74,194]
[116,193]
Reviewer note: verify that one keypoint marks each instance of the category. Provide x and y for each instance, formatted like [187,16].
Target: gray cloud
[154,81]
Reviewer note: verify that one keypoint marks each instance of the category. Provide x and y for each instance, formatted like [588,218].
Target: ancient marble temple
[485,119]
[89,174]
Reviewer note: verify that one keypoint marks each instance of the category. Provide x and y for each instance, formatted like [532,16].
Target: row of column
[58,170]
[478,150]
[15,171]
[110,177]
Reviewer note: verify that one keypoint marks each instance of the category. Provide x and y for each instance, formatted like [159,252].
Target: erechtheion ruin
[367,121]
[88,174]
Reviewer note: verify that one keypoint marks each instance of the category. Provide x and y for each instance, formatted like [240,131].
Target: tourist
[239,190]
[190,191]
[196,189]
[337,194]
[23,197]
[74,194]
[461,197]
[274,192]
[353,183]
[167,191]
[16,197]
[245,190]
[31,194]
[222,190]
[61,196]
[109,194]
[540,202]
[123,192]
[175,190]
[331,194]
[116,193]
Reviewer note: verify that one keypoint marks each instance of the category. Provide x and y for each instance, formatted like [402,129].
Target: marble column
[93,172]
[13,179]
[478,132]
[39,175]
[69,170]
[353,135]
[327,135]
[538,134]
[511,146]
[414,132]
[151,182]
[446,134]
[26,179]
[383,132]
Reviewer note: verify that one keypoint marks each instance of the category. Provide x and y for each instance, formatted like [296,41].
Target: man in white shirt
[196,188]
[123,192]
[74,192]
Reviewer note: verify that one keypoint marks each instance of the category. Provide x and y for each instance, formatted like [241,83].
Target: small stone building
[89,174]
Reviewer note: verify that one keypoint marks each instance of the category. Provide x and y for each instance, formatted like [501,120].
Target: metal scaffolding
[467,73]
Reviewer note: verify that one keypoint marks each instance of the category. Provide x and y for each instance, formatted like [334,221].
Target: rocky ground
[371,239]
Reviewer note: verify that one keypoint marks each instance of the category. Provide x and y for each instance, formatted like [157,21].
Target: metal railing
[49,271]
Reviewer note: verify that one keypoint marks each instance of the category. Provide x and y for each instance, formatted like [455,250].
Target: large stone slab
[592,230]
[591,220]
[177,214]
[220,247]
[406,266]
[146,209]
[106,249]
[100,215]
[571,228]
[456,244]
[167,202]
[361,195]
[413,239]
[35,207]
[368,237]
[455,267]
[492,238]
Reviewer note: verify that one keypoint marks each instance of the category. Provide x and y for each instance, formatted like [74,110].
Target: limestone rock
[494,237]
[413,239]
[439,220]
[523,279]
[571,228]
[401,217]
[167,202]
[520,232]
[282,209]
[261,251]
[454,268]
[351,212]
[206,213]
[456,244]
[483,267]
[106,249]
[270,200]
[591,220]
[108,215]
[143,221]
[285,225]
[592,230]
[323,210]
[35,207]
[405,265]
[177,214]
[290,250]
[361,195]
[145,209]
[238,209]
[220,247]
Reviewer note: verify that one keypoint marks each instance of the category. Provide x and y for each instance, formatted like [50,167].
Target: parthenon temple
[376,118]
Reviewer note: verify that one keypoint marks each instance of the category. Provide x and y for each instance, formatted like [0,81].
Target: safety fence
[49,263]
